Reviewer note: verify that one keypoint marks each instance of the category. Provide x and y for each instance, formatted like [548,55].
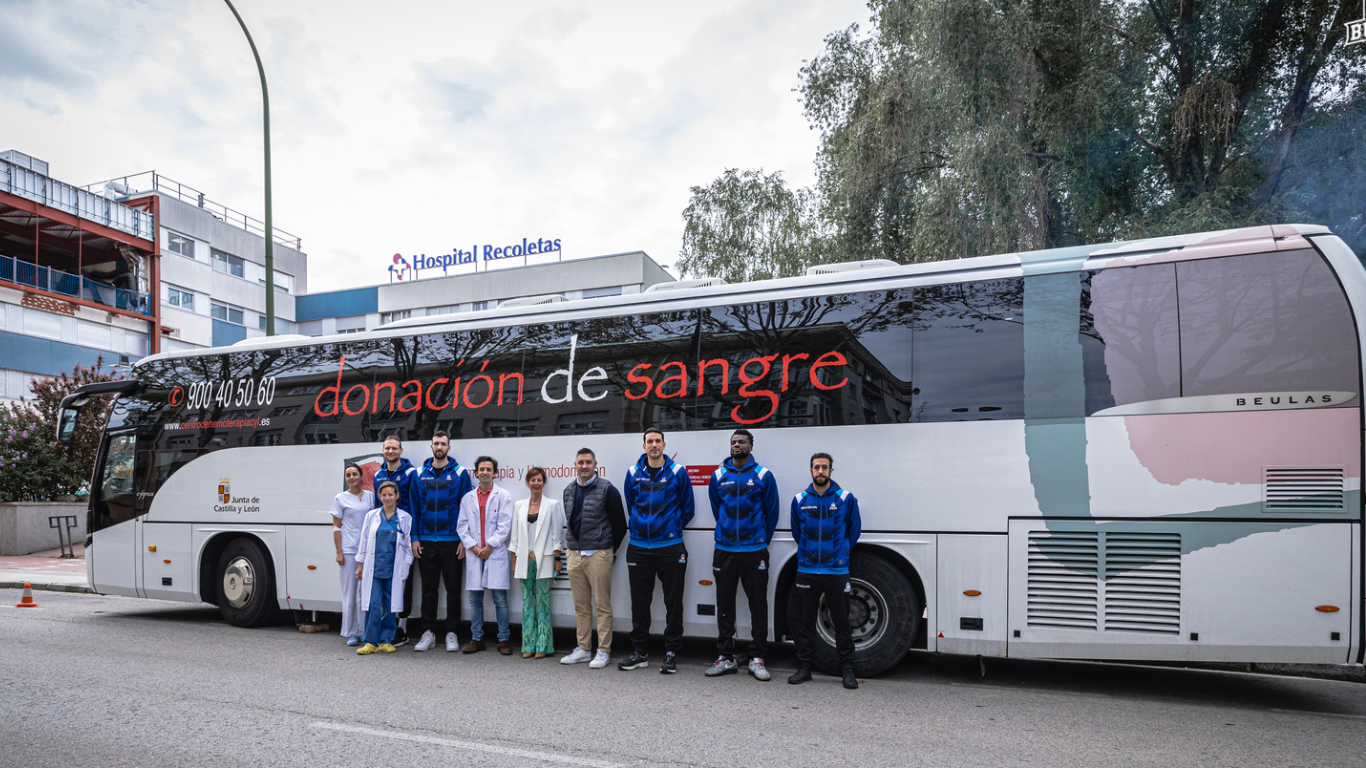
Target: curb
[48,587]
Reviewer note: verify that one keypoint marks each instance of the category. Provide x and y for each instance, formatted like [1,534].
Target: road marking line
[474,745]
[1320,714]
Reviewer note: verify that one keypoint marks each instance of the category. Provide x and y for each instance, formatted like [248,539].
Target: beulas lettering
[473,385]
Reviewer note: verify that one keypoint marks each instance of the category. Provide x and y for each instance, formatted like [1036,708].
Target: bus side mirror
[66,426]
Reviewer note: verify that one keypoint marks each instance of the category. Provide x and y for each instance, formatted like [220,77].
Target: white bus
[1142,450]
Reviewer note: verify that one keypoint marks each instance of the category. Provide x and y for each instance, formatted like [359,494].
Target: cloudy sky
[414,127]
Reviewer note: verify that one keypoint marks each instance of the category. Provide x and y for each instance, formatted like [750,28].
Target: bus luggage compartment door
[167,567]
[114,560]
[312,581]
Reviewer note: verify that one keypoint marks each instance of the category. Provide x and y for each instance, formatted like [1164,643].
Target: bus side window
[1265,323]
[969,351]
[1130,349]
[116,482]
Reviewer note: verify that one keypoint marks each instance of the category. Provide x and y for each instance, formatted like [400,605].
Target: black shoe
[802,674]
[670,664]
[850,681]
[400,638]
[634,661]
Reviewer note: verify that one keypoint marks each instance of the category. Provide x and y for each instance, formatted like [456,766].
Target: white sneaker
[578,656]
[427,641]
[452,643]
[600,661]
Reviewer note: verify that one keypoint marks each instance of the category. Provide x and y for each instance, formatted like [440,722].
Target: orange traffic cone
[27,600]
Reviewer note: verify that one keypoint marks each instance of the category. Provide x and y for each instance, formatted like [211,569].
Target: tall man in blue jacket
[659,504]
[825,525]
[402,473]
[744,500]
[442,483]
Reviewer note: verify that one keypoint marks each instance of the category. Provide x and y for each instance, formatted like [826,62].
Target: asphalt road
[103,681]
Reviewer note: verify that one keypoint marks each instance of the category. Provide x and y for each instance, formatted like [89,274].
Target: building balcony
[27,275]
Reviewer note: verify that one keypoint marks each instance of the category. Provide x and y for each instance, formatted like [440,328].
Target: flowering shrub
[33,467]
[47,401]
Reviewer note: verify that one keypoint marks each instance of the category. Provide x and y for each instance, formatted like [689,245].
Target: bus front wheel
[246,586]
[884,615]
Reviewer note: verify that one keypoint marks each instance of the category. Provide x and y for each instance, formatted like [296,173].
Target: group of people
[438,517]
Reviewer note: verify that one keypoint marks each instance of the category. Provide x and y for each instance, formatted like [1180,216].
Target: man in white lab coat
[484,526]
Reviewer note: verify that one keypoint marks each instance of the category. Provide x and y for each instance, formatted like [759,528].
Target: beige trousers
[590,578]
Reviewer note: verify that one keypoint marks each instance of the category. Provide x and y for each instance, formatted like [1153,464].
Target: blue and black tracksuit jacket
[659,503]
[440,491]
[745,503]
[406,479]
[825,526]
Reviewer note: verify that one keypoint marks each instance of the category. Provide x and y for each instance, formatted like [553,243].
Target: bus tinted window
[1130,345]
[1265,323]
[969,351]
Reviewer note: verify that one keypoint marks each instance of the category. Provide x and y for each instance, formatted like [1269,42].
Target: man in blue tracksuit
[744,500]
[825,525]
[401,472]
[659,505]
[442,483]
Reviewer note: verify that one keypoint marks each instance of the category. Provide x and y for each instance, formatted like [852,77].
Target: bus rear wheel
[884,616]
[246,585]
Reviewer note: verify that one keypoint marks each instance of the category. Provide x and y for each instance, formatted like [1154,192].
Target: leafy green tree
[958,128]
[749,226]
[953,128]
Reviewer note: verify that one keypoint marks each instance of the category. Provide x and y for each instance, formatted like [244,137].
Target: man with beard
[442,484]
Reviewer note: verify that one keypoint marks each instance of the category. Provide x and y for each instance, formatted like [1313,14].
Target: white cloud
[425,124]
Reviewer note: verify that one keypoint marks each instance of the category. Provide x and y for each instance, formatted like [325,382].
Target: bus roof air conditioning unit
[531,301]
[684,285]
[850,266]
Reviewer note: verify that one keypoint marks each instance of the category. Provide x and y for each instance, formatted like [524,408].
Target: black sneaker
[670,664]
[634,661]
[802,674]
[400,638]
[850,681]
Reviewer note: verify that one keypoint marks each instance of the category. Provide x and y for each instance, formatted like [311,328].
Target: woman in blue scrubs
[383,560]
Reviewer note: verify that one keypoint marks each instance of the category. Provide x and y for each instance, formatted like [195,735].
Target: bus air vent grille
[1303,490]
[1142,582]
[1063,585]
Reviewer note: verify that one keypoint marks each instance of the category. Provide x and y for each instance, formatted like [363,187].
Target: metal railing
[153,181]
[22,182]
[47,279]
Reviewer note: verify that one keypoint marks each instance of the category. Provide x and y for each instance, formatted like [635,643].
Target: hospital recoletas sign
[411,266]
[1356,30]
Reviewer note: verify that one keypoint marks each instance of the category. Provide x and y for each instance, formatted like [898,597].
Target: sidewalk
[46,571]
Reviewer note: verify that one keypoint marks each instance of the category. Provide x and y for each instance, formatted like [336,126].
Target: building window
[180,244]
[226,313]
[283,283]
[281,325]
[389,317]
[446,310]
[479,306]
[228,264]
[178,297]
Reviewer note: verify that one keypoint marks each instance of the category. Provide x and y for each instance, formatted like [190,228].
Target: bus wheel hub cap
[238,581]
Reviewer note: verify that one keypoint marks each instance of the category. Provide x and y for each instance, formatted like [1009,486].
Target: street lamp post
[270,232]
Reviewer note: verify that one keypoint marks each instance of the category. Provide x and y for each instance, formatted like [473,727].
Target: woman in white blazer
[383,560]
[537,540]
